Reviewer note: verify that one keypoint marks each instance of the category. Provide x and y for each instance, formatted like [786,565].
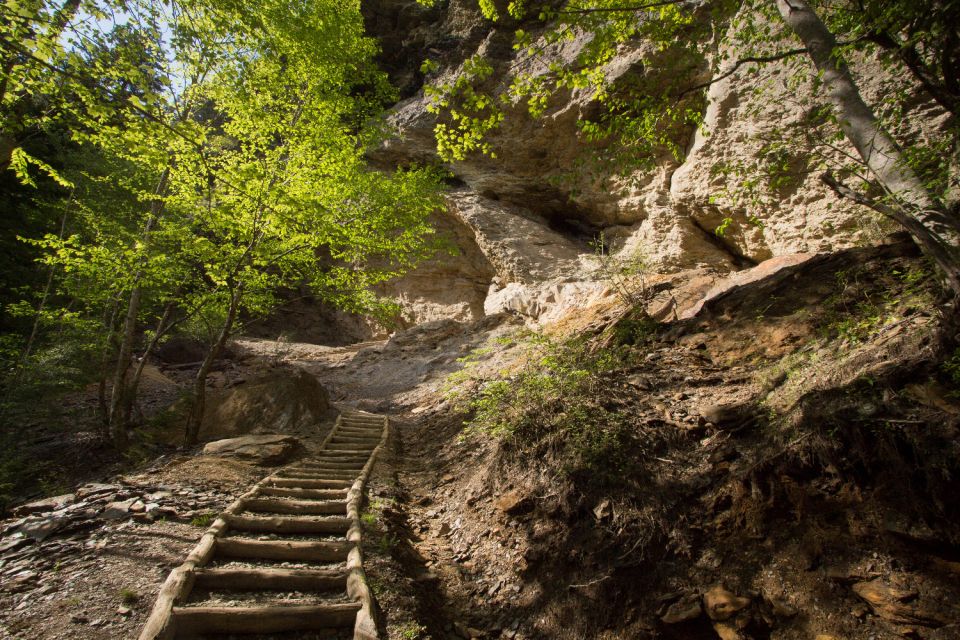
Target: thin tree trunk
[131,394]
[35,329]
[109,322]
[118,427]
[7,145]
[936,232]
[195,419]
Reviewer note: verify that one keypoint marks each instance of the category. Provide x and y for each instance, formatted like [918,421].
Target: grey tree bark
[195,419]
[934,229]
[121,387]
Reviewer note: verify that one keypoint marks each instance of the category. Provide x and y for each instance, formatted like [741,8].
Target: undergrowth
[558,405]
[859,311]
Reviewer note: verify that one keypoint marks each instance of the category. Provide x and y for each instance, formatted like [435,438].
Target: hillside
[445,344]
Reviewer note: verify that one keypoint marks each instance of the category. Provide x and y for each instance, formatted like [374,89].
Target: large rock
[451,285]
[263,450]
[286,400]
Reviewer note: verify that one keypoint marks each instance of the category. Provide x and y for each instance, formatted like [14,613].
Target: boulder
[283,401]
[263,450]
[721,604]
[118,509]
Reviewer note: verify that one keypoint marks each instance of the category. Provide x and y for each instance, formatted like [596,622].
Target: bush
[558,405]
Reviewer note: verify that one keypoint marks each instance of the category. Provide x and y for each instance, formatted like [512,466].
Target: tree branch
[740,63]
[641,7]
[843,191]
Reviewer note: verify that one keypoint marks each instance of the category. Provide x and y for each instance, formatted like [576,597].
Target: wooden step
[307,477]
[320,468]
[338,460]
[342,455]
[272,579]
[364,441]
[319,473]
[347,446]
[333,462]
[289,525]
[304,507]
[250,620]
[290,550]
[306,494]
[309,484]
[332,472]
[375,437]
[378,430]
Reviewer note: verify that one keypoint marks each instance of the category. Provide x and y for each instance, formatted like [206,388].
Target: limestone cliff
[524,220]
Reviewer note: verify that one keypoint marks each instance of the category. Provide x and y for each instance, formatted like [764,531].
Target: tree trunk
[109,322]
[35,329]
[935,231]
[129,396]
[195,420]
[118,426]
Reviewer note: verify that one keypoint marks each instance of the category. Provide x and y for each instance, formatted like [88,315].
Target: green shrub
[558,405]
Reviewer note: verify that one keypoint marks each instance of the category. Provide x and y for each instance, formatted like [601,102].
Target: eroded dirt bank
[791,473]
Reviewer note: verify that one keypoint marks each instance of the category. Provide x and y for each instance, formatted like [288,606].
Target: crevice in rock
[740,261]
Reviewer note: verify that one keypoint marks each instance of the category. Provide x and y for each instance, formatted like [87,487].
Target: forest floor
[797,478]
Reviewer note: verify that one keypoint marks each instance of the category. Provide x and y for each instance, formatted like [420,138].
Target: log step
[262,620]
[320,477]
[290,550]
[300,470]
[270,579]
[301,507]
[337,460]
[320,468]
[331,464]
[334,472]
[366,431]
[289,525]
[337,472]
[306,494]
[327,454]
[309,484]
[356,439]
[348,446]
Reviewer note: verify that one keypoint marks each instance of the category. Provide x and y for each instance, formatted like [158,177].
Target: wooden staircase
[285,556]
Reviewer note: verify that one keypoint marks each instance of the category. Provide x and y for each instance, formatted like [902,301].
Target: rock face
[453,284]
[523,220]
[282,402]
[263,450]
